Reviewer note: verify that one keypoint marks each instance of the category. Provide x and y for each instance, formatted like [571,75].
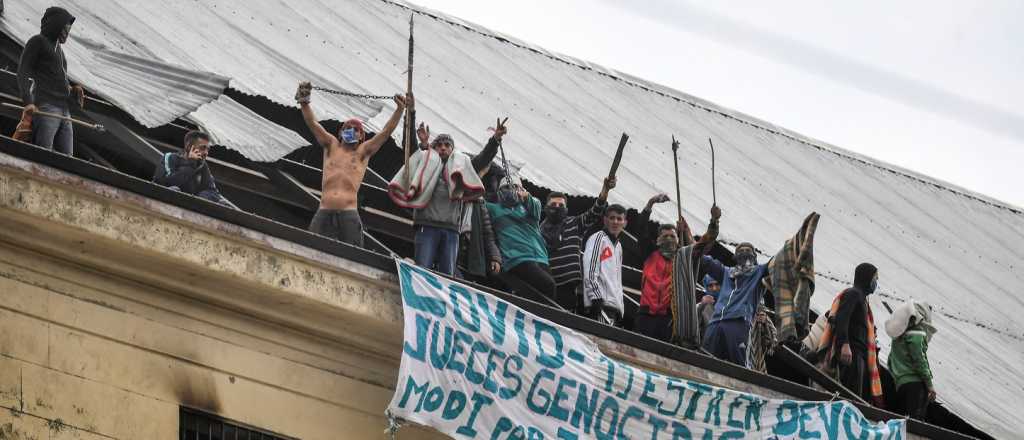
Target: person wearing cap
[911,329]
[726,336]
[346,157]
[442,182]
[44,85]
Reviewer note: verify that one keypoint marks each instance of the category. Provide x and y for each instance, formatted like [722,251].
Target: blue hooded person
[735,305]
[706,307]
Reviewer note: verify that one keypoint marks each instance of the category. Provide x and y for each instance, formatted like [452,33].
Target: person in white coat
[602,269]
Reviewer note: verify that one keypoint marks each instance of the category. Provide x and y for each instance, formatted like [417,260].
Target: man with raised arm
[345,159]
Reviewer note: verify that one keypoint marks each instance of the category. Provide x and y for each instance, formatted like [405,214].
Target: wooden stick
[96,127]
[675,161]
[618,155]
[410,131]
[714,197]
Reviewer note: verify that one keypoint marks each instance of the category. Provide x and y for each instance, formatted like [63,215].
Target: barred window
[197,425]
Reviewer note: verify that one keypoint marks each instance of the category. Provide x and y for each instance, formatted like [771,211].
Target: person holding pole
[440,182]
[654,316]
[44,85]
[563,236]
[345,159]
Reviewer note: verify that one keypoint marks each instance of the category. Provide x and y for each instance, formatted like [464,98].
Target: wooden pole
[618,155]
[714,197]
[409,129]
[675,161]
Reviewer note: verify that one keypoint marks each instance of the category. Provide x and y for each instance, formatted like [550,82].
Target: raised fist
[303,93]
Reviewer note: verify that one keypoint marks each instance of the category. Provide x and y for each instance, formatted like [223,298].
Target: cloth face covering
[348,136]
[746,261]
[507,197]
[555,214]
[667,246]
[553,224]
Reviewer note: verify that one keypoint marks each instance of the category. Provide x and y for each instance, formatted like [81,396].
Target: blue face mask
[348,136]
[872,287]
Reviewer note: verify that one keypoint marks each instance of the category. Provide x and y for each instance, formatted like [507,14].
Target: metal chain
[354,95]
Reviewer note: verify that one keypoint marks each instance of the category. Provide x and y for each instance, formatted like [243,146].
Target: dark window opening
[198,425]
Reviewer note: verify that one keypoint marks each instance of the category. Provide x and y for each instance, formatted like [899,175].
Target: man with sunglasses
[437,220]
[346,157]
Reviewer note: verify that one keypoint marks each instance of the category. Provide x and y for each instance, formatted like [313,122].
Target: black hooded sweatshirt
[189,175]
[851,321]
[43,61]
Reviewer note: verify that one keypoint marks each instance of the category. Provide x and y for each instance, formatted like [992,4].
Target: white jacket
[602,271]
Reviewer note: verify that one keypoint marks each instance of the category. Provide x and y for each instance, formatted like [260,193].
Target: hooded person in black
[851,329]
[43,81]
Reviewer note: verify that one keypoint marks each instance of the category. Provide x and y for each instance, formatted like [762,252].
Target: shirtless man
[345,159]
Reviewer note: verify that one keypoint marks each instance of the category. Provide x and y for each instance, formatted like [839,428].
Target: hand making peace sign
[500,129]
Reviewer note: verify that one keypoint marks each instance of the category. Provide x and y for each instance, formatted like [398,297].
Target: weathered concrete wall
[107,357]
[116,309]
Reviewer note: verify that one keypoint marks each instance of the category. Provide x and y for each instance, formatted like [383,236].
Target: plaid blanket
[791,280]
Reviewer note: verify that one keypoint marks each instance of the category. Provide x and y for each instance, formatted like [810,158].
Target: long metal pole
[409,129]
[96,127]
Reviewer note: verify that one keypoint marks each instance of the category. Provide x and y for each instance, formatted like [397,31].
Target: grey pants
[53,133]
[343,225]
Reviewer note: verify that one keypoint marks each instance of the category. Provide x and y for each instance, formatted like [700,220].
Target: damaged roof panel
[232,125]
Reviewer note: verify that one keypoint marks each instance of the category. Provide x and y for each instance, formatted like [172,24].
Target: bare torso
[344,168]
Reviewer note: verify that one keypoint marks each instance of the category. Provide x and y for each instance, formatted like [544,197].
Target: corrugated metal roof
[153,92]
[932,241]
[232,125]
[238,40]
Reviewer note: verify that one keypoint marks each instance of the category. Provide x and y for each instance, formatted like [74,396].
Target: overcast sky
[932,86]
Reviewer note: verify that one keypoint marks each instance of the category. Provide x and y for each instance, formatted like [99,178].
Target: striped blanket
[791,281]
[827,345]
[762,342]
[685,327]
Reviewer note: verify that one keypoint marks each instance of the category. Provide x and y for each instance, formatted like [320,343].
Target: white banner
[476,367]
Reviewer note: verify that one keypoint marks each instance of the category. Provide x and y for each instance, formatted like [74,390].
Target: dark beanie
[863,275]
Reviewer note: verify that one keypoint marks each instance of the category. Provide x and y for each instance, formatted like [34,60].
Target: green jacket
[908,359]
[518,232]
